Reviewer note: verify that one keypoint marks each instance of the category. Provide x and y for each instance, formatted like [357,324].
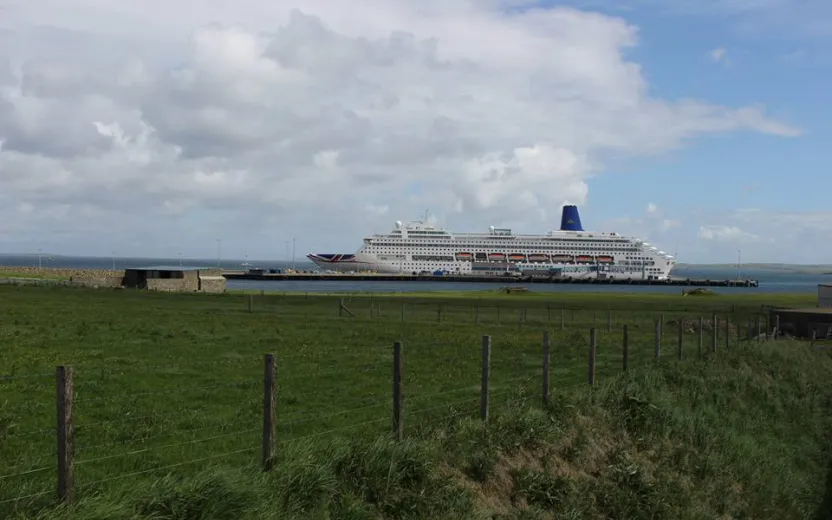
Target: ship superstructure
[418,247]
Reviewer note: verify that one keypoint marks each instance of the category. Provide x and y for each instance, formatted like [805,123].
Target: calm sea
[776,281]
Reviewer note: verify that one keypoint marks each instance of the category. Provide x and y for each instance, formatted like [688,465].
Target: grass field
[173,383]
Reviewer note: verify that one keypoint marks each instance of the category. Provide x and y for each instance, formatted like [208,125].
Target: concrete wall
[189,283]
[205,280]
[825,296]
[83,277]
[212,284]
[801,323]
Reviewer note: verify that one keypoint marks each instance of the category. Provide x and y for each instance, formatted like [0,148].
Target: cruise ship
[420,248]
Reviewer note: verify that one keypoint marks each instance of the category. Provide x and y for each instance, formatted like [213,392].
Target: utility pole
[293,253]
[739,262]
[219,249]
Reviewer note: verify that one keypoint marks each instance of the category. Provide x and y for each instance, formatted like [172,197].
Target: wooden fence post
[398,391]
[657,347]
[592,349]
[546,366]
[486,377]
[562,324]
[340,307]
[269,412]
[758,329]
[681,336]
[250,302]
[776,330]
[625,350]
[66,433]
[701,335]
[728,333]
[715,338]
[609,321]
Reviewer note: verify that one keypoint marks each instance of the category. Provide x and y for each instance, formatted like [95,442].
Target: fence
[597,313]
[534,382]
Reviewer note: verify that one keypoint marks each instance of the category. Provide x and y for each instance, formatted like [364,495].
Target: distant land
[791,268]
[811,269]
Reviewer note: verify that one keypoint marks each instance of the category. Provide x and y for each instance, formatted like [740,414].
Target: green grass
[172,384]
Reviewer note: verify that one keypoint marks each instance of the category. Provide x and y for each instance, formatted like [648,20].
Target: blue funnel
[570,220]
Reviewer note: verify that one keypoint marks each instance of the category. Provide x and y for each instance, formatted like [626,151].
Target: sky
[157,128]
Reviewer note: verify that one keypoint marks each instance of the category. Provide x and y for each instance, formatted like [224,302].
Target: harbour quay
[373,277]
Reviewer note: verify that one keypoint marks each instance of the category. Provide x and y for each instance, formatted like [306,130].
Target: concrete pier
[267,276]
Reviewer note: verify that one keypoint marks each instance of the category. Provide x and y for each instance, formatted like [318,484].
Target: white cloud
[726,234]
[719,55]
[237,120]
[667,224]
[652,225]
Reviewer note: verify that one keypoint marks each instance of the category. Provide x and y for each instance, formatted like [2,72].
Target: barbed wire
[139,418]
[170,466]
[27,472]
[32,432]
[26,376]
[173,433]
[239,384]
[332,430]
[33,495]
[324,416]
[174,445]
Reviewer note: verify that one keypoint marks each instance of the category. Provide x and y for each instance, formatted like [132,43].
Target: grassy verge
[173,383]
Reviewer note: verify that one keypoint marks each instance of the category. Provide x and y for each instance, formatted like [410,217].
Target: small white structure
[824,296]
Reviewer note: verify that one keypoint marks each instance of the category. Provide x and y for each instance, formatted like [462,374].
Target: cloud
[128,124]
[726,234]
[719,55]
[652,224]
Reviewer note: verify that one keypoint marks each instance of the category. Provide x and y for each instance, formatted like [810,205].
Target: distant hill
[792,268]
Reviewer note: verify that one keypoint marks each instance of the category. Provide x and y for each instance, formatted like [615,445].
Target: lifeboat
[584,259]
[537,257]
[562,259]
[496,257]
[517,257]
[464,257]
[604,259]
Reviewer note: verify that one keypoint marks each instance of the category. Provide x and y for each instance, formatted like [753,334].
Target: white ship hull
[571,252]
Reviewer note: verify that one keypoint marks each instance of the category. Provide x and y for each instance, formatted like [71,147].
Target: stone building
[175,278]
